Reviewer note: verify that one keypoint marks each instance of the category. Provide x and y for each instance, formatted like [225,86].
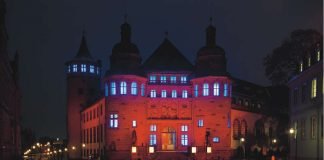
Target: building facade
[306,108]
[10,97]
[163,108]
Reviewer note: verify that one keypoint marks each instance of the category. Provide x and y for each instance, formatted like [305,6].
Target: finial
[125,17]
[211,20]
[83,31]
[166,33]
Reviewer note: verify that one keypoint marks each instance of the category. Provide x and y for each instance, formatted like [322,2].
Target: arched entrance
[168,139]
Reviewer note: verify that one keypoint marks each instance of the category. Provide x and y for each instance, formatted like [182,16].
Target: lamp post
[242,140]
[293,132]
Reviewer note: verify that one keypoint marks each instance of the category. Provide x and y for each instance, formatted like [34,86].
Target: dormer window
[75,68]
[123,88]
[113,88]
[134,88]
[152,79]
[163,79]
[183,79]
[92,69]
[216,89]
[173,79]
[205,89]
[83,68]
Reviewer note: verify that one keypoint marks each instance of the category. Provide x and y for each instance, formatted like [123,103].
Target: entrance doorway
[168,139]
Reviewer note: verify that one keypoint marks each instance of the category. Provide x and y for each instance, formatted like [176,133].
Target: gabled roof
[83,50]
[167,57]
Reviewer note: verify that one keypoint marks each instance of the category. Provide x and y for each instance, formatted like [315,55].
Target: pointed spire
[125,32]
[83,50]
[211,34]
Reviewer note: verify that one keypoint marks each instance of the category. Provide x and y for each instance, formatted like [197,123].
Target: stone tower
[83,87]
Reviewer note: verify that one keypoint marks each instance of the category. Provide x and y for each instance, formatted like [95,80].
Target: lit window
[174,94]
[216,139]
[173,79]
[152,139]
[184,128]
[184,94]
[83,68]
[153,93]
[184,140]
[92,69]
[313,127]
[69,68]
[113,120]
[314,84]
[163,94]
[134,88]
[216,89]
[309,61]
[153,127]
[113,88]
[318,56]
[196,90]
[75,68]
[200,123]
[106,89]
[123,88]
[133,123]
[183,79]
[205,89]
[163,79]
[225,90]
[152,79]
[142,90]
[301,66]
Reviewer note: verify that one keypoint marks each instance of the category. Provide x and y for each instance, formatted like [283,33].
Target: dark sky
[48,32]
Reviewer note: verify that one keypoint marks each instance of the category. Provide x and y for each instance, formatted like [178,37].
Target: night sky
[47,33]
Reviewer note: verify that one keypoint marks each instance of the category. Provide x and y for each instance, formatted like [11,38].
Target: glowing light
[291,131]
[134,149]
[151,149]
[48,149]
[60,150]
[34,147]
[65,149]
[73,147]
[209,149]
[37,144]
[83,145]
[274,140]
[194,150]
[242,139]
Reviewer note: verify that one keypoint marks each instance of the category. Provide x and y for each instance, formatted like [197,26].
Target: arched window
[123,87]
[236,129]
[174,94]
[113,88]
[153,93]
[205,89]
[184,94]
[142,90]
[216,89]
[134,88]
[225,90]
[106,89]
[243,128]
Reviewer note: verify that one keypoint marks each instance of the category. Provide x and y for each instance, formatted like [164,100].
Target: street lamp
[293,132]
[242,140]
[83,145]
[274,141]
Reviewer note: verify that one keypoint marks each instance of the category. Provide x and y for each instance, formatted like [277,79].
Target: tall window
[113,123]
[123,87]
[183,79]
[314,84]
[184,139]
[184,94]
[113,88]
[225,90]
[163,79]
[134,88]
[92,69]
[216,89]
[174,94]
[196,90]
[152,139]
[236,129]
[163,94]
[134,124]
[142,90]
[205,89]
[153,93]
[318,55]
[173,79]
[75,68]
[106,89]
[301,66]
[309,61]
[313,127]
[243,128]
[69,68]
[152,79]
[200,123]
[83,68]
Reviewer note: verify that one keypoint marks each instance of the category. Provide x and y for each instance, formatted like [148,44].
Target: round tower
[83,87]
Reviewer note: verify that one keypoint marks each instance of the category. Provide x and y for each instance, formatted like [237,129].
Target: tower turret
[83,87]
[211,58]
[125,57]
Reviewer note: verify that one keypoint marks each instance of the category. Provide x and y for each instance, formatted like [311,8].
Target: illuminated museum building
[163,107]
[306,108]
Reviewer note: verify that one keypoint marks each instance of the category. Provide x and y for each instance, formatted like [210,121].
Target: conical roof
[167,57]
[83,50]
